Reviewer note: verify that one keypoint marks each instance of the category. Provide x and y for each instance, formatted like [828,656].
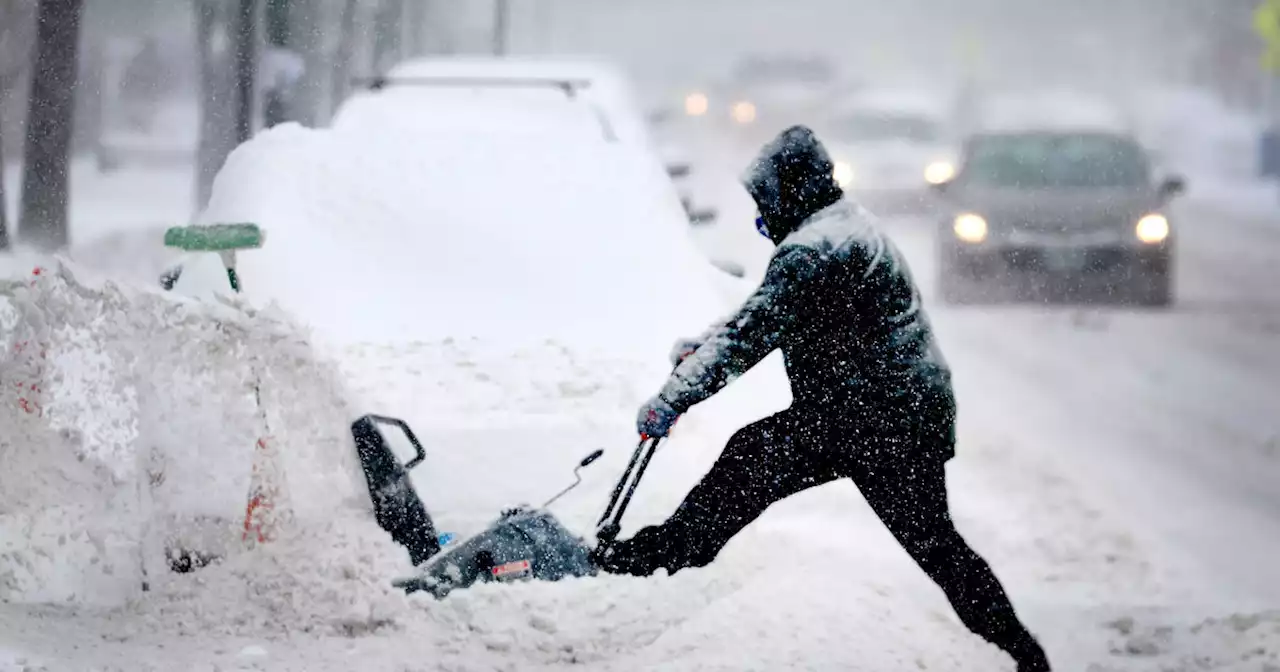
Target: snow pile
[319,598]
[130,420]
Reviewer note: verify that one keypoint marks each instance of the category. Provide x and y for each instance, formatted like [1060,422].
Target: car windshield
[878,127]
[1047,161]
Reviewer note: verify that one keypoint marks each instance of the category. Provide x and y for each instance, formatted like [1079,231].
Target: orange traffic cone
[268,506]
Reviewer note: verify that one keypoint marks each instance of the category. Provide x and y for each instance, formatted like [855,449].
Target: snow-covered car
[1075,212]
[561,106]
[467,169]
[889,145]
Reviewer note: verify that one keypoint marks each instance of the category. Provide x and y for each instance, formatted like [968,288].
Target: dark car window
[1054,161]
[864,127]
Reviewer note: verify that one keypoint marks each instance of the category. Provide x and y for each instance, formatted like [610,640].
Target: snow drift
[130,419]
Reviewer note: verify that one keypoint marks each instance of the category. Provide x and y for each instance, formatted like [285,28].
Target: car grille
[1063,226]
[1095,260]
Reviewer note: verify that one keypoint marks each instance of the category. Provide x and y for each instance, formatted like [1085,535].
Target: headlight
[696,104]
[843,173]
[970,228]
[939,172]
[744,112]
[1152,229]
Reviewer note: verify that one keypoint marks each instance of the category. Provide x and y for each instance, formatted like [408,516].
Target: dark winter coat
[837,298]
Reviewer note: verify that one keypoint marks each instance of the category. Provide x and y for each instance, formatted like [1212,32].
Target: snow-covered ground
[1117,468]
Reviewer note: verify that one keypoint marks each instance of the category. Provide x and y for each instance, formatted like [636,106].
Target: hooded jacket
[837,298]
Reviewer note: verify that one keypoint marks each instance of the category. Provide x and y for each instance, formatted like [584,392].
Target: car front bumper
[1082,261]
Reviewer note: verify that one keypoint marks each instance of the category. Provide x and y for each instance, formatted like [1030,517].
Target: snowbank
[130,421]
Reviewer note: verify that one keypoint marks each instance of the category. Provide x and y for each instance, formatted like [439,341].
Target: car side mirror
[1172,186]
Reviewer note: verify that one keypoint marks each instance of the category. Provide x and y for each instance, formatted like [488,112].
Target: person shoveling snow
[873,400]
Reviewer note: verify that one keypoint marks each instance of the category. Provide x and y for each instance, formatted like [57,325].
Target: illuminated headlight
[843,173]
[970,228]
[696,104]
[743,111]
[939,172]
[1152,229]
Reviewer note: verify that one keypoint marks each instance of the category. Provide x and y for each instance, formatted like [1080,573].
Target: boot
[1031,657]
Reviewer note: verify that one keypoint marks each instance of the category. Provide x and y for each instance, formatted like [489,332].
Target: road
[1167,420]
[1154,431]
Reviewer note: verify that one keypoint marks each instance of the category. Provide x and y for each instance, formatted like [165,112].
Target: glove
[683,348]
[656,418]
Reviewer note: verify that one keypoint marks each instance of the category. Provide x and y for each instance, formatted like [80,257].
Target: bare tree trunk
[246,40]
[501,19]
[4,200]
[279,106]
[387,31]
[50,122]
[341,84]
[415,22]
[216,139]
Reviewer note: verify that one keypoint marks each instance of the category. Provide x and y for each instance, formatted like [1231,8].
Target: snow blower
[523,543]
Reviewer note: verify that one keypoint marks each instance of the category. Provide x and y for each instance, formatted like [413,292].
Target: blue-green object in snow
[225,239]
[215,237]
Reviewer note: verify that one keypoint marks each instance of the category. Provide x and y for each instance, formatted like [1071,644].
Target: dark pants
[901,475]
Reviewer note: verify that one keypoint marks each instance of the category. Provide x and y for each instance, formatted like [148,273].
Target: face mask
[762,227]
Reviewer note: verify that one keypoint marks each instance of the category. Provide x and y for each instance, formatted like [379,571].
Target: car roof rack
[570,87]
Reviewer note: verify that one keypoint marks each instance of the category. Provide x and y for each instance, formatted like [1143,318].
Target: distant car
[762,93]
[1074,212]
[888,144]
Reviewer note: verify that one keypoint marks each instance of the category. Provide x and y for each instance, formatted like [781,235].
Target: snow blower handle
[420,452]
[610,523]
[577,478]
